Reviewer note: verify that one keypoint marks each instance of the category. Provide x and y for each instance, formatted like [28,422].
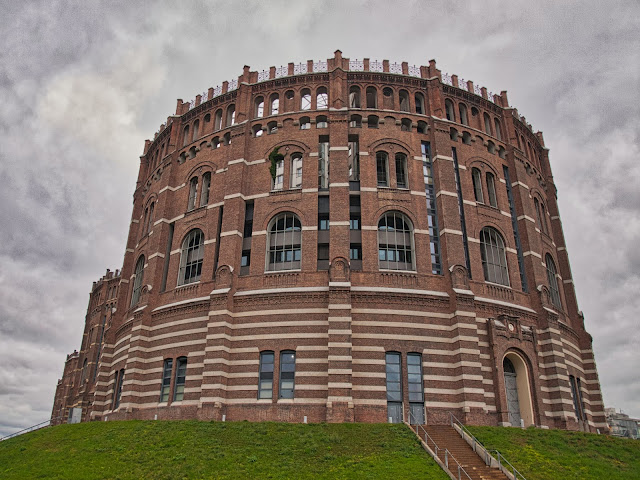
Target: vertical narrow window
[248,219]
[196,128]
[118,388]
[181,375]
[543,218]
[553,281]
[83,375]
[496,124]
[150,217]
[491,190]
[401,170]
[394,387]
[278,180]
[259,110]
[448,106]
[354,158]
[493,253]
[576,398]
[403,96]
[420,109]
[296,170]
[145,221]
[206,186]
[579,388]
[464,119]
[354,97]
[323,162]
[305,99]
[536,204]
[416,388]
[476,177]
[322,98]
[382,160]
[185,136]
[165,388]
[231,115]
[217,121]
[193,191]
[432,211]
[191,257]
[265,381]
[287,374]
[137,282]
[275,104]
[395,242]
[372,97]
[463,223]
[487,124]
[514,225]
[284,243]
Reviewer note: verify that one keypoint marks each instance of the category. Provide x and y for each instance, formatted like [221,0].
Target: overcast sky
[83,84]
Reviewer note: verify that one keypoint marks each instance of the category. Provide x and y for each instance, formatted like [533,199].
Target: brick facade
[338,307]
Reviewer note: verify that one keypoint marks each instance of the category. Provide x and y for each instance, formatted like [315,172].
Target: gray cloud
[84,83]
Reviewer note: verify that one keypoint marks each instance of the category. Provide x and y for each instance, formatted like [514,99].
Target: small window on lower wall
[416,389]
[265,382]
[181,375]
[287,374]
[394,387]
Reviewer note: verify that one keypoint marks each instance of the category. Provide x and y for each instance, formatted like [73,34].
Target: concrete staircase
[446,437]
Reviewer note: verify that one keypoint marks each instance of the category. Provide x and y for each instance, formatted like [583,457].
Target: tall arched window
[496,123]
[401,170]
[278,180]
[493,253]
[137,282]
[476,177]
[464,119]
[181,376]
[372,97]
[487,123]
[403,96]
[185,136]
[491,189]
[191,257]
[322,98]
[259,107]
[382,168]
[231,115]
[448,106]
[150,217]
[196,129]
[275,104]
[284,243]
[553,281]
[217,121]
[420,108]
[354,97]
[305,99]
[296,170]
[206,186]
[395,242]
[193,192]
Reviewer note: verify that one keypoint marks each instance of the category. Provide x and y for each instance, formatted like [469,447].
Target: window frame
[387,261]
[187,261]
[137,281]
[495,257]
[289,236]
[264,374]
[180,379]
[290,392]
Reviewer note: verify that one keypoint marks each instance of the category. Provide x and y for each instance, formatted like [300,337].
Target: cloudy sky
[83,84]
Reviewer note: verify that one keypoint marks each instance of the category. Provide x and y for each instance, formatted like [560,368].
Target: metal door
[512,399]
[394,412]
[417,414]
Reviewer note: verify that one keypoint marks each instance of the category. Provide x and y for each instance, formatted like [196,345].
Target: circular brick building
[341,241]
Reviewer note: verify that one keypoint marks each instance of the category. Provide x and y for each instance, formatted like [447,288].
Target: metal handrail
[447,453]
[37,426]
[500,457]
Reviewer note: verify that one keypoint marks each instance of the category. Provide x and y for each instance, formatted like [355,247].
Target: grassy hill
[556,454]
[206,450]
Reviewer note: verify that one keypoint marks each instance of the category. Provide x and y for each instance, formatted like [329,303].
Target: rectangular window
[354,222]
[248,219]
[394,387]
[323,162]
[166,380]
[416,389]
[432,212]
[278,180]
[323,221]
[118,388]
[355,251]
[265,382]
[245,260]
[323,251]
[514,225]
[381,169]
[354,158]
[296,172]
[181,374]
[287,374]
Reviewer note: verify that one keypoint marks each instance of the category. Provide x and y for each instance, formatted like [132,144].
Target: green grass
[207,450]
[555,454]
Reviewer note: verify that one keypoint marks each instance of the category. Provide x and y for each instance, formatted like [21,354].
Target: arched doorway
[518,392]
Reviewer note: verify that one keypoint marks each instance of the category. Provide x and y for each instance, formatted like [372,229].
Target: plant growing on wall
[274,157]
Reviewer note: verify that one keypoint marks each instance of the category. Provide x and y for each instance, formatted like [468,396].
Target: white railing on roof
[395,68]
[282,72]
[356,65]
[263,75]
[217,91]
[414,71]
[205,96]
[477,90]
[320,66]
[446,78]
[375,66]
[300,68]
[462,83]
[233,84]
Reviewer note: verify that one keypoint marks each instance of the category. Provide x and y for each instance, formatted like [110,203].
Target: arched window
[553,281]
[322,98]
[401,170]
[185,136]
[191,257]
[150,218]
[296,170]
[405,125]
[257,130]
[387,98]
[206,186]
[464,119]
[395,242]
[487,124]
[496,123]
[278,180]
[193,191]
[272,127]
[226,139]
[322,122]
[181,376]
[420,109]
[372,97]
[305,123]
[422,127]
[476,177]
[215,143]
[137,282]
[275,104]
[289,95]
[448,106]
[382,168]
[217,121]
[372,121]
[466,138]
[354,97]
[305,99]
[356,121]
[491,190]
[493,253]
[231,115]
[259,107]
[403,96]
[165,386]
[284,243]
[196,128]
[536,204]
